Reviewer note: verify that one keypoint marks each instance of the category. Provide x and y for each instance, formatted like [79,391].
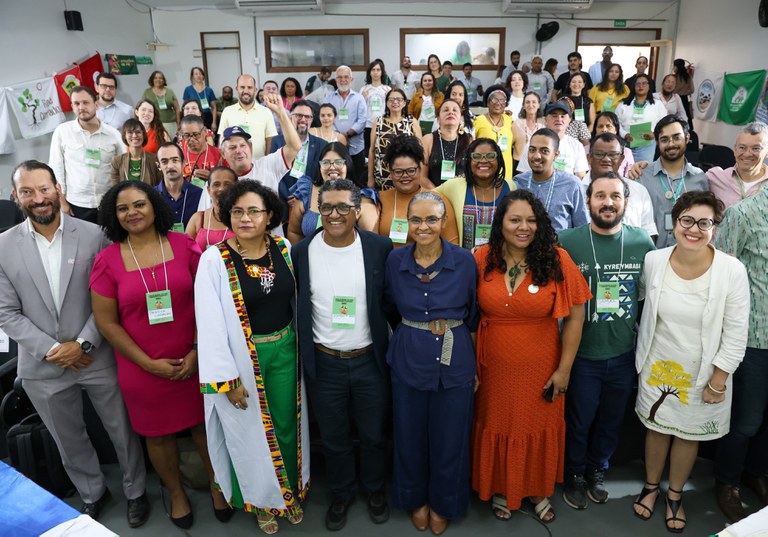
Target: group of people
[488,323]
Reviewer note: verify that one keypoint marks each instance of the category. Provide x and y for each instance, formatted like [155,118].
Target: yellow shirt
[607,101]
[258,122]
[504,137]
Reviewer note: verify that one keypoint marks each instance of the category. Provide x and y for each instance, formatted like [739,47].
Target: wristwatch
[86,346]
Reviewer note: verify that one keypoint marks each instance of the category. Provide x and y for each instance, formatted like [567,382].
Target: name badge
[503,143]
[376,104]
[561,164]
[448,170]
[299,168]
[319,222]
[343,114]
[608,104]
[159,307]
[204,103]
[428,113]
[668,222]
[92,158]
[482,234]
[578,114]
[536,86]
[178,227]
[246,128]
[607,299]
[343,312]
[398,231]
[198,182]
[161,104]
[637,113]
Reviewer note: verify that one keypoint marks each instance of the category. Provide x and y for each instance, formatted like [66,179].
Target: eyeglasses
[704,224]
[394,100]
[491,155]
[641,84]
[107,86]
[677,138]
[600,155]
[755,149]
[430,220]
[342,208]
[188,135]
[399,173]
[131,134]
[494,100]
[253,212]
[302,116]
[337,163]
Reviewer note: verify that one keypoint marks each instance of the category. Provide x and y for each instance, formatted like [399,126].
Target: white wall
[721,37]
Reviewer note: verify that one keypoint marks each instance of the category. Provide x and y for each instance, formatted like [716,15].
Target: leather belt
[270,339]
[439,327]
[344,354]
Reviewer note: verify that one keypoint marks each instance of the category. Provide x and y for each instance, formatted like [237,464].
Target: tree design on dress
[28,102]
[671,379]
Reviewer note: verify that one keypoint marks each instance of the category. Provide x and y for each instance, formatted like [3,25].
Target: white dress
[669,396]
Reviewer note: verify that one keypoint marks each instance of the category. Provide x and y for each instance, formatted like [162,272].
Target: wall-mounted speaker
[74,20]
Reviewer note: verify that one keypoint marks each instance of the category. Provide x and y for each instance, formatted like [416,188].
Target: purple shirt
[728,187]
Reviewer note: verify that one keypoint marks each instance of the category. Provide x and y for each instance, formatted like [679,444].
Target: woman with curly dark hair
[526,284]
[394,122]
[290,91]
[141,291]
[609,93]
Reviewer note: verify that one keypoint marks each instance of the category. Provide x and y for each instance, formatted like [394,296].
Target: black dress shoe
[184,522]
[729,501]
[336,517]
[759,484]
[94,509]
[222,515]
[378,509]
[138,511]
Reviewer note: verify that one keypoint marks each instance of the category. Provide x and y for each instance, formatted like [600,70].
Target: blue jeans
[746,446]
[644,153]
[595,405]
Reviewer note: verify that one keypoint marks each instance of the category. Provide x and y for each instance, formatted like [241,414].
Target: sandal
[500,509]
[542,508]
[674,506]
[267,522]
[647,491]
[296,516]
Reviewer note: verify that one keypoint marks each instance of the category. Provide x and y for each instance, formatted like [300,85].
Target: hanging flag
[706,98]
[122,65]
[762,106]
[36,106]
[6,135]
[64,83]
[741,93]
[90,69]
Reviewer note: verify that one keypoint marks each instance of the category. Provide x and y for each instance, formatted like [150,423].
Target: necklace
[496,126]
[517,269]
[256,271]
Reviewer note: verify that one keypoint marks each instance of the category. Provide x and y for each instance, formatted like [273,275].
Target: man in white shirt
[598,69]
[539,80]
[248,115]
[472,84]
[111,111]
[81,156]
[405,79]
[572,158]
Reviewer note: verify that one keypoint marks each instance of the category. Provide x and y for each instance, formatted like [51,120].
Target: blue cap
[229,132]
[557,106]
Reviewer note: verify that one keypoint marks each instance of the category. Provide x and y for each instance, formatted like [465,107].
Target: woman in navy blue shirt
[432,283]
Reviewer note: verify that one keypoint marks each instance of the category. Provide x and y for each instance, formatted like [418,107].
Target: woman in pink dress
[142,294]
[206,227]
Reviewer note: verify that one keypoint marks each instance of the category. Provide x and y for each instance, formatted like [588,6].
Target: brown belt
[344,354]
[269,339]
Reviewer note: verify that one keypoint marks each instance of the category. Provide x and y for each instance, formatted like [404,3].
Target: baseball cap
[229,132]
[556,106]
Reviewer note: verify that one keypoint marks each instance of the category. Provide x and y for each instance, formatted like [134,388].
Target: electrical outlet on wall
[257,61]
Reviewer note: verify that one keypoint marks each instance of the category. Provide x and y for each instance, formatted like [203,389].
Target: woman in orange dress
[526,284]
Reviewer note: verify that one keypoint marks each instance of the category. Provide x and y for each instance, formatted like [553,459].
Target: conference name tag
[343,312]
[536,86]
[343,114]
[299,168]
[159,307]
[503,143]
[579,114]
[92,158]
[246,128]
[561,164]
[178,227]
[204,103]
[198,182]
[482,234]
[161,104]
[398,231]
[376,104]
[608,104]
[607,299]
[448,170]
[428,112]
[637,113]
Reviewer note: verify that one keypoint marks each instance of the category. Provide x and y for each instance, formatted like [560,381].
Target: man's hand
[202,174]
[69,355]
[274,102]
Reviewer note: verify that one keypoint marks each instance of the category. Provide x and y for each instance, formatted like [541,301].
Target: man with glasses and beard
[405,79]
[111,111]
[256,120]
[610,256]
[45,306]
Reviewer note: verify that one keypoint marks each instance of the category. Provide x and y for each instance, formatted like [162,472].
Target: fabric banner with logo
[741,94]
[64,83]
[6,134]
[122,65]
[762,107]
[90,69]
[36,106]
[706,99]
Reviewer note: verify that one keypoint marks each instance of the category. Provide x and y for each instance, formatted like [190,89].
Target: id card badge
[637,113]
[503,143]
[343,114]
[668,222]
[299,169]
[578,114]
[343,312]
[246,128]
[204,103]
[398,231]
[608,104]
[607,299]
[92,158]
[482,234]
[319,222]
[376,104]
[159,307]
[448,170]
[560,164]
[178,227]
[428,113]
[536,86]
[161,104]
[198,182]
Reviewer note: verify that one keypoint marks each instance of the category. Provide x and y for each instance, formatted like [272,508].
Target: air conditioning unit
[545,6]
[278,7]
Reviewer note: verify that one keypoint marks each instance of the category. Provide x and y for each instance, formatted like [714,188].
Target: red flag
[89,69]
[65,81]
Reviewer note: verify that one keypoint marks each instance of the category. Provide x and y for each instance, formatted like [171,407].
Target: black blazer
[375,251]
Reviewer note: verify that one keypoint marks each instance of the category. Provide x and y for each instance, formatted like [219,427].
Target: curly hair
[109,222]
[501,171]
[156,124]
[299,93]
[542,257]
[229,197]
[404,146]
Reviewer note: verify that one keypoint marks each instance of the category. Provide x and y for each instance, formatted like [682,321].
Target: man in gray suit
[45,307]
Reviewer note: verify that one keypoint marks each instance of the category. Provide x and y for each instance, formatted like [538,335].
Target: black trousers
[360,177]
[83,213]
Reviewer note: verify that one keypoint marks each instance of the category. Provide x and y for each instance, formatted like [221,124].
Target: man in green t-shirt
[610,256]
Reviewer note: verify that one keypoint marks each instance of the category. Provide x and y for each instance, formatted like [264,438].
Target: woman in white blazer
[692,337]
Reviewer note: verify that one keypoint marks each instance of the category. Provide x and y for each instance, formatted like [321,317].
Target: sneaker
[596,486]
[336,517]
[575,491]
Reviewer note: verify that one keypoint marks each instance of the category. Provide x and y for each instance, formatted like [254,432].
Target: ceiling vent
[545,6]
[278,7]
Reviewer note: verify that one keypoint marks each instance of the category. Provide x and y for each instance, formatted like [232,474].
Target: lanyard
[741,183]
[668,188]
[141,169]
[551,189]
[455,148]
[194,166]
[594,255]
[481,204]
[162,251]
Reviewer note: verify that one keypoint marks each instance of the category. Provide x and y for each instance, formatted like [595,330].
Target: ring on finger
[237,405]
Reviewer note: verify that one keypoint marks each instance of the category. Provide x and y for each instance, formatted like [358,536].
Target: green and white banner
[741,94]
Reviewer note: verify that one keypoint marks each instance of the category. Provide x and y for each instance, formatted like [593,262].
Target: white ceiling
[230,4]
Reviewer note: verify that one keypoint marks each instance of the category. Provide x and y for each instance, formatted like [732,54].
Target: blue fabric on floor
[27,509]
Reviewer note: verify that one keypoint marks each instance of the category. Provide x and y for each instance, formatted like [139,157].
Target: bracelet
[718,392]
